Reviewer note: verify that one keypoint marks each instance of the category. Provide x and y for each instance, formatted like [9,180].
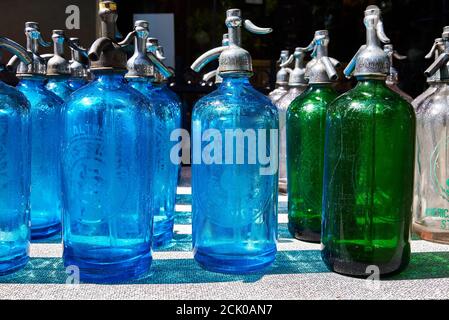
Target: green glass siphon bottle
[306,119]
[368,168]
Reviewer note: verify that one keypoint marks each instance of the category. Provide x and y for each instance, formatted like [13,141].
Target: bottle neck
[109,78]
[371,37]
[234,80]
[36,81]
[58,48]
[140,45]
[370,83]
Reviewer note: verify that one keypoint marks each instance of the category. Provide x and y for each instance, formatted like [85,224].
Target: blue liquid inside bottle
[15,170]
[168,113]
[108,143]
[45,157]
[60,86]
[234,205]
[77,83]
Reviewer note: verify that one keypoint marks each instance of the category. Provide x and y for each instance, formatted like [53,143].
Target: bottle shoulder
[313,100]
[163,103]
[243,100]
[120,97]
[434,103]
[40,95]
[11,98]
[363,100]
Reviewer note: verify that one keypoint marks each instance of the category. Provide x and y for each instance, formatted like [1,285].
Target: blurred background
[188,28]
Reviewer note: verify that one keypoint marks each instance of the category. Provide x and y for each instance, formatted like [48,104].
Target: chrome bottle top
[296,76]
[34,40]
[435,51]
[233,59]
[77,67]
[147,61]
[142,64]
[440,65]
[214,73]
[57,65]
[283,75]
[371,61]
[393,77]
[321,69]
[15,49]
[105,53]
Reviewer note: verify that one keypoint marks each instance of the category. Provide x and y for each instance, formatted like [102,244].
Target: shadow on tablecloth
[174,271]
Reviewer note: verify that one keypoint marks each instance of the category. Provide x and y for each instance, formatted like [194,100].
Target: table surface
[297,273]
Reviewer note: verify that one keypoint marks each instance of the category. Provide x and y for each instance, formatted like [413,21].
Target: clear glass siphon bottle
[368,168]
[234,200]
[431,217]
[282,77]
[108,147]
[45,138]
[142,76]
[306,122]
[58,68]
[433,81]
[15,170]
[297,84]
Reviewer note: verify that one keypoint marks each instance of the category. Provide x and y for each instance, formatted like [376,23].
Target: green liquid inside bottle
[306,120]
[368,181]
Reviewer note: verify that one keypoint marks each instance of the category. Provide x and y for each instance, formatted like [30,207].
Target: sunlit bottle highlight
[431,218]
[46,138]
[15,168]
[368,168]
[234,199]
[143,74]
[306,122]
[108,147]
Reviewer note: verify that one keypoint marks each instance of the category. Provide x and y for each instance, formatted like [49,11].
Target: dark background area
[411,25]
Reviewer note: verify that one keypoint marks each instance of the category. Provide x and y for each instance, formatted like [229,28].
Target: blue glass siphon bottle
[15,168]
[234,190]
[108,143]
[46,134]
[58,68]
[142,73]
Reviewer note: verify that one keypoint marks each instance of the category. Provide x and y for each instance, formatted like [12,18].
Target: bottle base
[110,272]
[239,264]
[306,235]
[45,232]
[14,264]
[427,234]
[362,269]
